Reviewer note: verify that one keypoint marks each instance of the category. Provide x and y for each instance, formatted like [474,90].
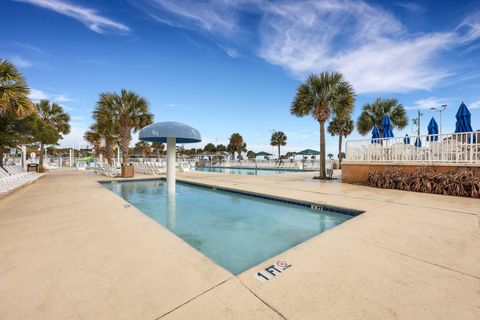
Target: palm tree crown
[105,125]
[319,96]
[53,123]
[132,114]
[373,114]
[14,91]
[279,138]
[237,144]
[94,137]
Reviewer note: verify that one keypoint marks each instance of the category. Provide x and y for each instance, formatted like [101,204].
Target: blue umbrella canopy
[387,127]
[432,130]
[406,140]
[418,142]
[375,135]
[464,119]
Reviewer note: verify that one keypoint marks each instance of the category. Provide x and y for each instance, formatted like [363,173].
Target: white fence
[440,148]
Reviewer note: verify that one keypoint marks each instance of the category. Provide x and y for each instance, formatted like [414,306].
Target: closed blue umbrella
[406,140]
[387,127]
[432,130]
[418,142]
[375,135]
[464,119]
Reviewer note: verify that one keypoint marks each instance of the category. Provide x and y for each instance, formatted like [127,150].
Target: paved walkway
[71,249]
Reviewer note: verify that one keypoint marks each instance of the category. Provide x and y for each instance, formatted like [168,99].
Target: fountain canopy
[160,131]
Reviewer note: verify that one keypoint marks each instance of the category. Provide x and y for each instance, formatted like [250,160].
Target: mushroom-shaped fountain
[171,133]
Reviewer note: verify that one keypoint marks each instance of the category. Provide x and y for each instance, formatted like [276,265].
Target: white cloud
[37,95]
[428,103]
[216,16]
[411,6]
[20,62]
[61,98]
[29,47]
[231,52]
[470,28]
[89,17]
[475,105]
[370,46]
[373,49]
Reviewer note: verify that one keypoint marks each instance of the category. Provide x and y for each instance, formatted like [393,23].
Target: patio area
[72,249]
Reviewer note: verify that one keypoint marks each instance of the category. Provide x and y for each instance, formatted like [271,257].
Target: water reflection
[171,212]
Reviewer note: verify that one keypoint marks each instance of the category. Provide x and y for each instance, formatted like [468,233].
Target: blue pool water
[234,230]
[247,171]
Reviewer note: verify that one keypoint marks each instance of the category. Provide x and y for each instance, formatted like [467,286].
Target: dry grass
[459,183]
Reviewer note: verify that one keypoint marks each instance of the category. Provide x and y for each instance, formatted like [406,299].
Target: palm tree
[14,92]
[278,139]
[158,147]
[53,122]
[131,114]
[221,148]
[210,147]
[143,147]
[341,126]
[104,116]
[94,137]
[373,114]
[237,144]
[250,154]
[319,96]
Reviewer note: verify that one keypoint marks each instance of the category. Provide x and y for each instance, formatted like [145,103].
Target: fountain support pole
[171,166]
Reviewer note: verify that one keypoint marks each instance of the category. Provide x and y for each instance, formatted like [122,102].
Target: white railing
[439,148]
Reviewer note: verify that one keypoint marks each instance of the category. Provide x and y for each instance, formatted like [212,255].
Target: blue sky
[234,65]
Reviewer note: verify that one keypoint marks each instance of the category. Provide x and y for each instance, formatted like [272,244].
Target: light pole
[441,109]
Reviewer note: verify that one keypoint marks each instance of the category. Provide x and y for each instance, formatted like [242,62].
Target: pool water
[234,230]
[247,171]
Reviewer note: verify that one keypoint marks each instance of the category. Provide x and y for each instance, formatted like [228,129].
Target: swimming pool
[247,171]
[236,231]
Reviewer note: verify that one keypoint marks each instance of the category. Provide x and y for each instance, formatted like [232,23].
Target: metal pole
[441,121]
[171,167]
[70,157]
[418,131]
[24,157]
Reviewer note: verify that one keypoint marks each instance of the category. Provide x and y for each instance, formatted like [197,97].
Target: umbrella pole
[171,166]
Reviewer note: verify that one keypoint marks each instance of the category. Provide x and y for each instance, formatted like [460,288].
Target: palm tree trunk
[1,156]
[125,137]
[322,172]
[42,151]
[340,151]
[108,151]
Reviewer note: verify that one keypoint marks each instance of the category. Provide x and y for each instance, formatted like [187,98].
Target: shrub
[454,183]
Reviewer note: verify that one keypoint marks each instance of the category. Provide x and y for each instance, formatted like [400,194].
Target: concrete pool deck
[71,249]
